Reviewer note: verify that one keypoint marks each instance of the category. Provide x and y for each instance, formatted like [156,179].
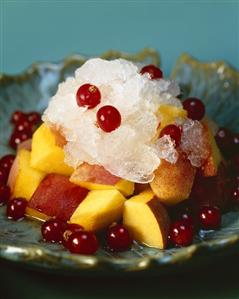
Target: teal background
[50,30]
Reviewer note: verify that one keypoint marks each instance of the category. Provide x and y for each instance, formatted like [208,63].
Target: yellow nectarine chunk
[46,155]
[99,209]
[147,219]
[27,178]
[125,187]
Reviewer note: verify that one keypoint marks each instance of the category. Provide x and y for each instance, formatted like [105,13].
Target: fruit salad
[120,152]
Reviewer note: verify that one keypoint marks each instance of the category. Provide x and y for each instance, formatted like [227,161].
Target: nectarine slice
[147,219]
[99,209]
[46,155]
[57,197]
[95,177]
[23,179]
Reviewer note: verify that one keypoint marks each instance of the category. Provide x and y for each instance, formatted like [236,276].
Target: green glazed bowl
[216,83]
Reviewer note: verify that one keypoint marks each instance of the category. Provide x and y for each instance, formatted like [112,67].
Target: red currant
[18,137]
[118,238]
[33,118]
[3,176]
[108,118]
[16,208]
[181,233]
[24,126]
[195,108]
[17,117]
[235,195]
[153,71]
[174,132]
[6,162]
[82,242]
[235,144]
[187,218]
[88,96]
[224,139]
[236,162]
[209,217]
[4,194]
[52,230]
[69,230]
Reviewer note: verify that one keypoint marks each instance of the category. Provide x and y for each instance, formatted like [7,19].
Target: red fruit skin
[82,242]
[235,195]
[195,108]
[236,163]
[3,176]
[18,116]
[24,126]
[57,197]
[52,230]
[33,118]
[6,162]
[209,217]
[153,71]
[95,174]
[16,208]
[181,234]
[224,140]
[88,96]
[211,191]
[18,137]
[108,118]
[5,194]
[118,238]
[70,229]
[174,132]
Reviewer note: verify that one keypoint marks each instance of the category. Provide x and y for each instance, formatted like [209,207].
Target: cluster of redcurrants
[24,126]
[228,143]
[72,236]
[187,223]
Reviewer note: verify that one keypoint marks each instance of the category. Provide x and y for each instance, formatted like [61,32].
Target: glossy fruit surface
[6,162]
[18,137]
[88,95]
[235,143]
[52,230]
[118,238]
[181,233]
[3,176]
[153,71]
[33,117]
[235,194]
[209,217]
[195,108]
[18,116]
[173,131]
[69,230]
[24,126]
[4,194]
[224,139]
[187,218]
[108,118]
[16,208]
[82,242]
[236,163]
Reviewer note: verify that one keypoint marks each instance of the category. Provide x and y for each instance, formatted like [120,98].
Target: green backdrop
[49,30]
